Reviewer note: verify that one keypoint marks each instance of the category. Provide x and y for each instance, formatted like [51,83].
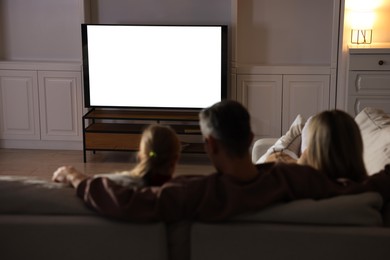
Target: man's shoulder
[188,179]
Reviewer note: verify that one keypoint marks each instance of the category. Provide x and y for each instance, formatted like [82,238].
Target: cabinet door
[60,105]
[304,94]
[368,89]
[358,103]
[262,95]
[369,83]
[19,111]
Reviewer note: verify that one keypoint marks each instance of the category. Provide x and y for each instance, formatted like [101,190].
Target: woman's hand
[303,159]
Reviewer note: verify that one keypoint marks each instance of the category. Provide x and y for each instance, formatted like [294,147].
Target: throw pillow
[375,128]
[305,133]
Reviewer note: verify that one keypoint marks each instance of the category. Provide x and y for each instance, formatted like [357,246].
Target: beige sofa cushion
[375,127]
[33,196]
[29,195]
[358,210]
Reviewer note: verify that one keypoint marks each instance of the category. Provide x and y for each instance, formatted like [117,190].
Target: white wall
[161,11]
[49,30]
[280,32]
[40,30]
[381,30]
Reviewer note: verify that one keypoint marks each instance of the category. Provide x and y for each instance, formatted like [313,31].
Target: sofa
[44,220]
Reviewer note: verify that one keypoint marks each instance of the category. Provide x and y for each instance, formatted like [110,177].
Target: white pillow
[290,143]
[375,128]
[304,136]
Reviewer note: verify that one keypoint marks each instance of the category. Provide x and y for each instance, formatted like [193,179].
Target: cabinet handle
[381,62]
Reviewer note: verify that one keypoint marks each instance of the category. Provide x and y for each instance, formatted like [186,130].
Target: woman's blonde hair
[158,153]
[336,146]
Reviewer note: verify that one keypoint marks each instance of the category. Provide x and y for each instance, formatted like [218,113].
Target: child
[158,155]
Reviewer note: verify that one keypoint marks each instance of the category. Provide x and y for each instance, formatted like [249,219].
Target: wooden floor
[42,163]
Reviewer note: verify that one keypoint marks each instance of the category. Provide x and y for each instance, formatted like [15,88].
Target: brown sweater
[217,196]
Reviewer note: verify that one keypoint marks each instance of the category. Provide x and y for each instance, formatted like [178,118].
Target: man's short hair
[229,122]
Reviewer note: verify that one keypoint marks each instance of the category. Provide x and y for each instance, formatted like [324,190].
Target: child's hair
[158,153]
[336,146]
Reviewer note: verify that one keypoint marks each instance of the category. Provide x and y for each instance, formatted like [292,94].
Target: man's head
[228,123]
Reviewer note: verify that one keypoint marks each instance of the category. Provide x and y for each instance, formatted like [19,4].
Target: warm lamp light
[361,19]
[361,24]
[363,4]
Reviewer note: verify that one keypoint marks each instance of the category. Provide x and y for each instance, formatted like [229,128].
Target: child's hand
[61,174]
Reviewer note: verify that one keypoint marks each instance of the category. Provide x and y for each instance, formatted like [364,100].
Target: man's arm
[140,204]
[218,197]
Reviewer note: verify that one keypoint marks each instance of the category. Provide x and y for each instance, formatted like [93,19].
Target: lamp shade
[362,20]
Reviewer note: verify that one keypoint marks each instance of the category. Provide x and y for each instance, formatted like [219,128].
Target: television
[154,66]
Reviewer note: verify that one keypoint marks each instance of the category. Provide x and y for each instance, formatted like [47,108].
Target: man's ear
[212,144]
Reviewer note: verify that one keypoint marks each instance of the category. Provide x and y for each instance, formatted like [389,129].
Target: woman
[335,146]
[158,156]
[331,143]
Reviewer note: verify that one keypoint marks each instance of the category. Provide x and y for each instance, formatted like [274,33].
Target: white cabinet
[262,96]
[369,78]
[274,100]
[304,94]
[60,105]
[40,73]
[19,107]
[40,101]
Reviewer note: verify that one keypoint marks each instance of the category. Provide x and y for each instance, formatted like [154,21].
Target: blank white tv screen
[142,66]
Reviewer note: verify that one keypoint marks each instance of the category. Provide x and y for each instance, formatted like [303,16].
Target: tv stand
[120,130]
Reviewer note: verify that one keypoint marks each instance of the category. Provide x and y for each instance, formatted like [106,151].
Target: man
[238,186]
